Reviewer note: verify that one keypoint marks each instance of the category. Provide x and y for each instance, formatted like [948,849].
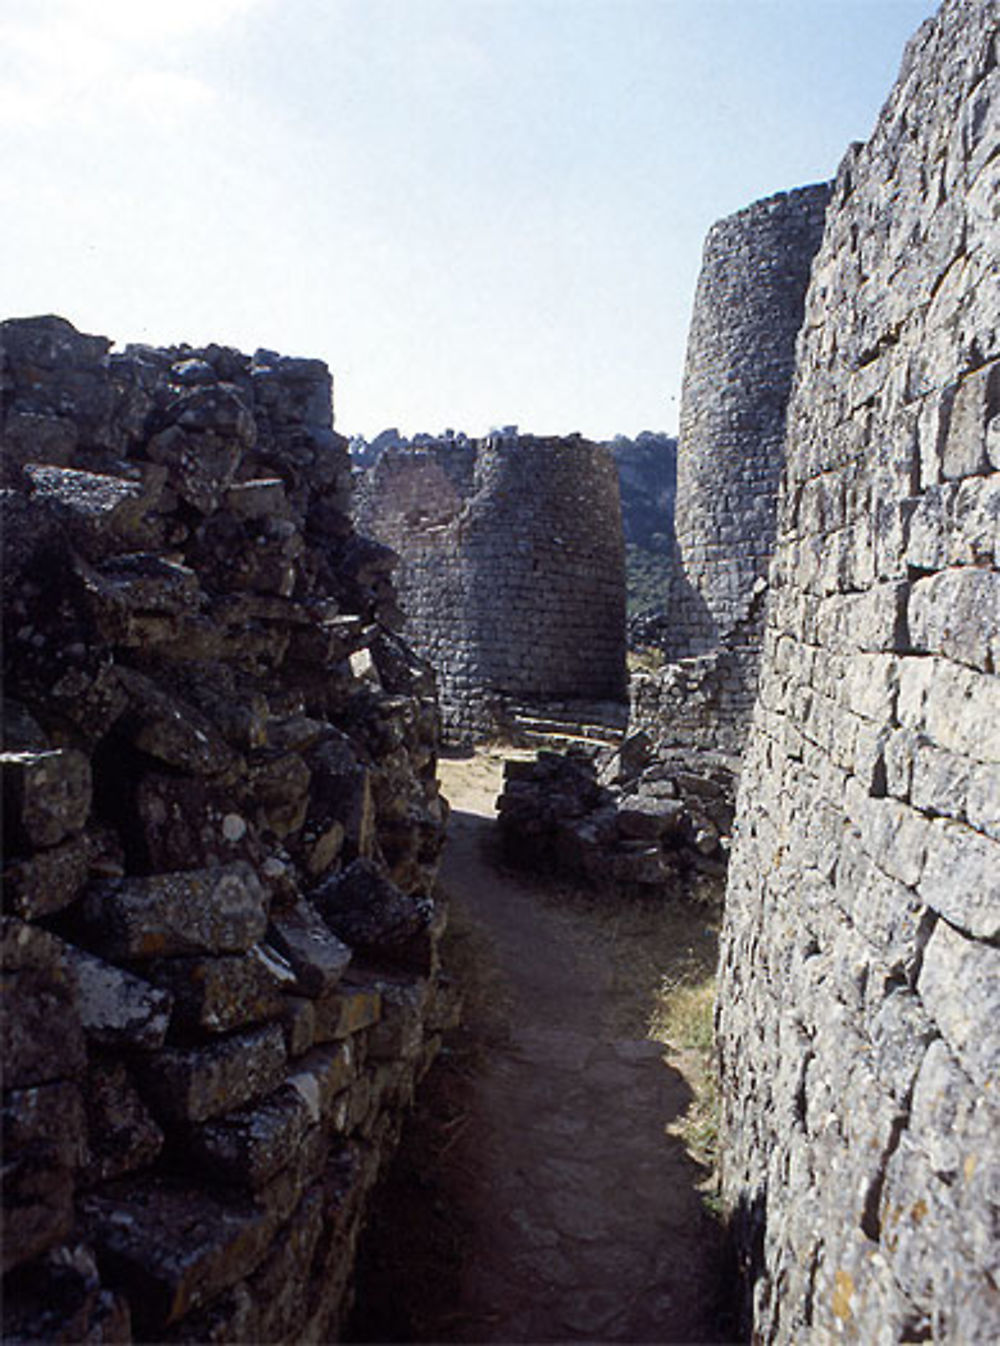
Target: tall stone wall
[860,987]
[221,826]
[737,381]
[512,569]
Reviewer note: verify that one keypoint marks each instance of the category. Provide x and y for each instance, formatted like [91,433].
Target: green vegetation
[647,578]
[683,1020]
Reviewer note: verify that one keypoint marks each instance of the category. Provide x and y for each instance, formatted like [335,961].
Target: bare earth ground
[541,1193]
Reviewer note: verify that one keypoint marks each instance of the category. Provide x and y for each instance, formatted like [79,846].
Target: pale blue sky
[477,211]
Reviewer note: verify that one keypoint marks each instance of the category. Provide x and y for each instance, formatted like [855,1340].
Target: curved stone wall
[859,1008]
[737,380]
[221,825]
[512,569]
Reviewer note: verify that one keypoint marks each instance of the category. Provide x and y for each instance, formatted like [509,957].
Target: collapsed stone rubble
[620,819]
[222,823]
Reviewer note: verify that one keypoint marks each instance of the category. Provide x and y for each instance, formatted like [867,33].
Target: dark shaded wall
[221,825]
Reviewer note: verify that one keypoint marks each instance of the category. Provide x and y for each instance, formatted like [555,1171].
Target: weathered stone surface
[399,1034]
[134,1226]
[37,1202]
[316,956]
[41,1038]
[115,1007]
[341,806]
[46,796]
[181,822]
[369,913]
[281,1283]
[195,1083]
[99,514]
[188,750]
[346,1010]
[955,613]
[220,993]
[251,1144]
[48,1114]
[171,730]
[630,820]
[299,1021]
[960,986]
[34,437]
[322,1076]
[857,1016]
[59,1298]
[511,568]
[200,463]
[737,378]
[48,881]
[961,878]
[234,1315]
[44,1141]
[281,790]
[645,818]
[122,1135]
[220,910]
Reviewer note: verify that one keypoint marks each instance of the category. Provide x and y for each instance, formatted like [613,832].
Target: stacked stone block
[221,825]
[512,569]
[859,992]
[737,381]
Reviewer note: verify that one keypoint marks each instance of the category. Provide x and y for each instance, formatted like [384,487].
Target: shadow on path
[536,1196]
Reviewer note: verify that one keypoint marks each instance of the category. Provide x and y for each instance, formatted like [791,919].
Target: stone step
[558,742]
[590,733]
[563,724]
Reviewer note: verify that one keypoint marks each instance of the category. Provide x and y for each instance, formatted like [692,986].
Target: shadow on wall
[746,1227]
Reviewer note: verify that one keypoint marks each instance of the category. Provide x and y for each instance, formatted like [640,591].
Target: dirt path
[545,1200]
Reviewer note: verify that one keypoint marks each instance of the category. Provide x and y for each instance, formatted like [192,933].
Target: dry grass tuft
[683,1020]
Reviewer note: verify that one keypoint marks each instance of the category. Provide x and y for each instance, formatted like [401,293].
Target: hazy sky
[477,211]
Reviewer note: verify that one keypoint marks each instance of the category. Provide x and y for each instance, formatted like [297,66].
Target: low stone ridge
[858,1004]
[221,825]
[619,819]
[512,572]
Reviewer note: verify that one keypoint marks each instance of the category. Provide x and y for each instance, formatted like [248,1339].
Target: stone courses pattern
[859,1010]
[512,569]
[737,380]
[221,828]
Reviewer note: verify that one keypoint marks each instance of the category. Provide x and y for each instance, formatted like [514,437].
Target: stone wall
[512,569]
[860,987]
[737,380]
[221,828]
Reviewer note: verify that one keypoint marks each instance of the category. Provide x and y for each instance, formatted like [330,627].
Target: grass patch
[646,659]
[683,1020]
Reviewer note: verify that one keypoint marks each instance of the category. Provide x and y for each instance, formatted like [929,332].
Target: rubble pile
[222,823]
[628,818]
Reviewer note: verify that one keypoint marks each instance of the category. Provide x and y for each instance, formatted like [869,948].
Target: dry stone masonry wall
[512,569]
[221,827]
[737,380]
[860,990]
